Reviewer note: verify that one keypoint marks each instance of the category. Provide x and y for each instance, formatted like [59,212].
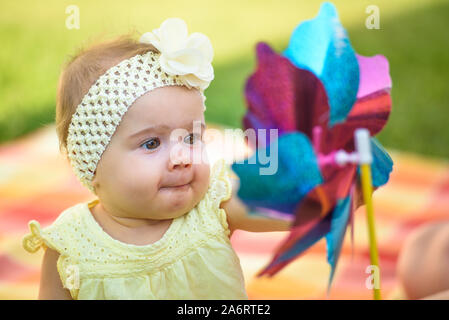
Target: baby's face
[149,172]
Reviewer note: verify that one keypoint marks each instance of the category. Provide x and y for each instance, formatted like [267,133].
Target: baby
[130,117]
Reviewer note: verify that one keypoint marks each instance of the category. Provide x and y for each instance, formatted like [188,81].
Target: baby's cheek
[202,176]
[140,179]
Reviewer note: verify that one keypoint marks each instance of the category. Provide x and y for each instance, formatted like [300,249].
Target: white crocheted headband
[182,60]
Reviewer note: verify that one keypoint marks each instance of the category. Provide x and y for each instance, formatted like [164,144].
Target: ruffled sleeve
[220,190]
[38,238]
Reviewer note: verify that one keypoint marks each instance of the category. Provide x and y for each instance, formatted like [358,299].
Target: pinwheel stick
[363,147]
[362,156]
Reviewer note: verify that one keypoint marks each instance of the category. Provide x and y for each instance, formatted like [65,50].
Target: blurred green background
[413,35]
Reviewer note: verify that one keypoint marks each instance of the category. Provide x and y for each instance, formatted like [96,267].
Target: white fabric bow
[188,56]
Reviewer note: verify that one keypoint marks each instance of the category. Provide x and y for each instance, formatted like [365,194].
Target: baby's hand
[238,216]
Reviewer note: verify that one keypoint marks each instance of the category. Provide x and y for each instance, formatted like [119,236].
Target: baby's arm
[238,217]
[50,284]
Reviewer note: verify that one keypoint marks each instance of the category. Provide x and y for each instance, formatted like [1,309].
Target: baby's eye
[151,144]
[192,138]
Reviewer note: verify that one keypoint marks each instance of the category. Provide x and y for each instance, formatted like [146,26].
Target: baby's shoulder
[220,186]
[56,234]
[70,215]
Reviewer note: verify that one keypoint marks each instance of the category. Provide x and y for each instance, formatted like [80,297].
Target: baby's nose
[180,157]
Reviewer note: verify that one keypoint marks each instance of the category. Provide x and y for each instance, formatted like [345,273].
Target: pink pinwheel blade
[374,74]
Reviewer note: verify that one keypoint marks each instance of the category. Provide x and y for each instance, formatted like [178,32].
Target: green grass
[413,36]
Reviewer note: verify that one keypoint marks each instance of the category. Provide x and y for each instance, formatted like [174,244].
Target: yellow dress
[193,260]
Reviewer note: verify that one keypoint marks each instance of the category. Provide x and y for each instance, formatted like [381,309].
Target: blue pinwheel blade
[382,164]
[334,239]
[279,176]
[322,46]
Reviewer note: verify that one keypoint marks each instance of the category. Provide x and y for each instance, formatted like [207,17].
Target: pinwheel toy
[317,94]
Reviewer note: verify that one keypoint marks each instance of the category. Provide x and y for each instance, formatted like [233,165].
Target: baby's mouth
[180,185]
[177,188]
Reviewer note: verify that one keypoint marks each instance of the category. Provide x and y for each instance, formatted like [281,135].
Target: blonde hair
[81,72]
